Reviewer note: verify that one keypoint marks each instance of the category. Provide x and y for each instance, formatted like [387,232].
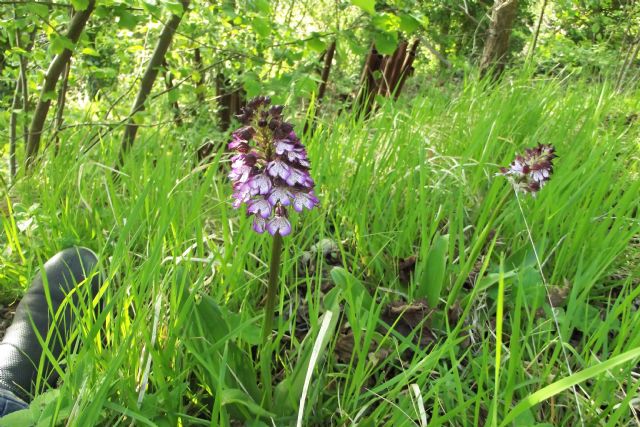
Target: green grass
[175,340]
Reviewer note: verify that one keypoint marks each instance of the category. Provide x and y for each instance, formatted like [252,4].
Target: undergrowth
[416,246]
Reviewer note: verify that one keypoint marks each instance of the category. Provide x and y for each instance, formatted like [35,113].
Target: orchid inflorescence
[273,172]
[529,173]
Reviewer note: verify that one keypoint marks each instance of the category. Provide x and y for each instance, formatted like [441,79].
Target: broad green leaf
[433,271]
[353,290]
[261,26]
[90,51]
[261,6]
[585,317]
[386,43]
[135,48]
[236,396]
[568,382]
[408,23]
[127,20]
[173,95]
[80,4]
[211,322]
[17,51]
[151,6]
[18,419]
[288,392]
[251,84]
[368,6]
[386,22]
[305,85]
[49,96]
[38,9]
[60,43]
[175,7]
[316,44]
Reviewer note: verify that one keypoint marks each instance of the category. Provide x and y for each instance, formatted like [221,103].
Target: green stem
[269,314]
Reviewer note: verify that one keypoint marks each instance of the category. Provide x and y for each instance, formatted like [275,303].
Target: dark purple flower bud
[262,122]
[276,110]
[245,133]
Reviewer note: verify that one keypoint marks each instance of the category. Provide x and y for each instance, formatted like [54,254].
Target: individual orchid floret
[270,171]
[530,172]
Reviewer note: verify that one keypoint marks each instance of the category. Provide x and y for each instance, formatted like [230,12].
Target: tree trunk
[148,79]
[25,93]
[12,128]
[407,68]
[62,97]
[328,60]
[223,97]
[56,68]
[630,58]
[398,62]
[175,107]
[495,49]
[327,57]
[368,88]
[537,32]
[200,88]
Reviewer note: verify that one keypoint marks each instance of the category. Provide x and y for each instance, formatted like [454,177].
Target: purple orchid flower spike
[530,172]
[270,171]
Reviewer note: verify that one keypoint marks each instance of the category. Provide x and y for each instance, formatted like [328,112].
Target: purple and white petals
[280,225]
[297,177]
[280,195]
[259,224]
[261,183]
[283,146]
[304,200]
[240,174]
[278,168]
[259,207]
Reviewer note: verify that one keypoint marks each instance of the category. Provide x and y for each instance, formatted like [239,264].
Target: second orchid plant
[270,174]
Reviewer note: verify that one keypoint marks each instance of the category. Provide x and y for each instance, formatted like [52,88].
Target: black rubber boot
[20,350]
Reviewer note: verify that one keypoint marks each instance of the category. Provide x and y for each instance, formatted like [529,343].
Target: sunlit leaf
[80,4]
[408,23]
[316,44]
[261,6]
[37,9]
[60,43]
[90,51]
[386,22]
[366,5]
[386,43]
[261,26]
[175,8]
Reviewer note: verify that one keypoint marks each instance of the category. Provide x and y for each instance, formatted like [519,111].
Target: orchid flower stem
[269,314]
